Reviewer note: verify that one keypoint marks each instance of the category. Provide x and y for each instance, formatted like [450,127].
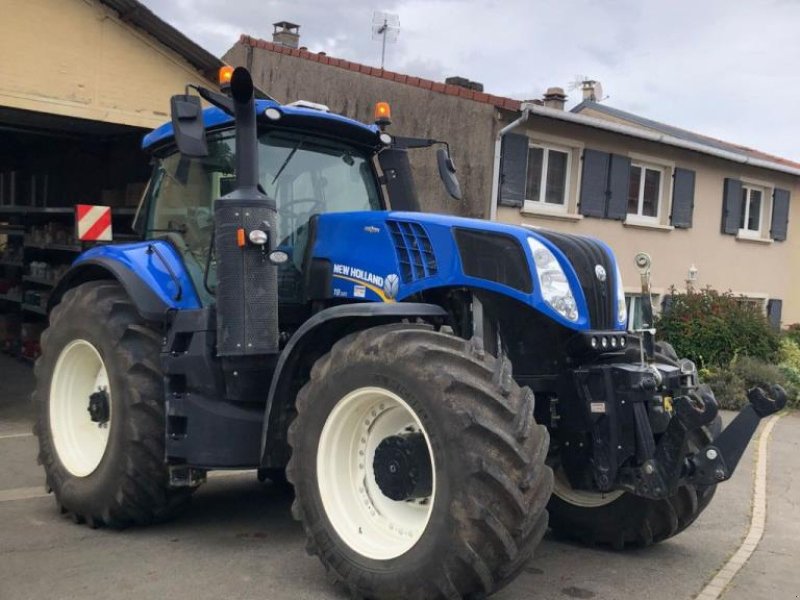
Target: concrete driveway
[238,539]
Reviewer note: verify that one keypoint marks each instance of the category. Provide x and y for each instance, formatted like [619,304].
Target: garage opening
[48,165]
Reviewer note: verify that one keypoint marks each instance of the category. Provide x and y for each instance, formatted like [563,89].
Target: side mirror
[187,123]
[447,172]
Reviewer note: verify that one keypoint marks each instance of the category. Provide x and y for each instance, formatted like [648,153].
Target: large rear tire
[483,512]
[99,405]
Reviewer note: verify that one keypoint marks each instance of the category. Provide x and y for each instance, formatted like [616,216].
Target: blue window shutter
[619,178]
[780,215]
[731,206]
[774,309]
[513,169]
[594,180]
[682,198]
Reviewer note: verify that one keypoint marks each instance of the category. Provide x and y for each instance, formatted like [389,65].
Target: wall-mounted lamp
[692,273]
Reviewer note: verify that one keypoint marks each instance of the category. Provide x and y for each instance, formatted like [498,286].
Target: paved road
[238,540]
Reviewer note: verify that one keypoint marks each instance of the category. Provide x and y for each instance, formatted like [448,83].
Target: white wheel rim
[370,523]
[581,498]
[79,442]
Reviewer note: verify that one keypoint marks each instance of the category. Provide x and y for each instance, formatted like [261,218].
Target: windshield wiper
[286,162]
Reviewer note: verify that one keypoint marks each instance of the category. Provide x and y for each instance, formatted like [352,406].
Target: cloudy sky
[725,68]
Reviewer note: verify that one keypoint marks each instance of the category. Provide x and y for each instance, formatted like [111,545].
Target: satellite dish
[598,91]
[386,28]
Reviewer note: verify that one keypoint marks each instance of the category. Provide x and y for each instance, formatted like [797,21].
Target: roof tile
[466,93]
[425,84]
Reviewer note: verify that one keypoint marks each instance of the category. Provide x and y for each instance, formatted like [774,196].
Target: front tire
[99,405]
[481,513]
[621,519]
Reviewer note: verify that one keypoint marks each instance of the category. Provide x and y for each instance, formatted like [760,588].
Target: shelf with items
[32,260]
[34,308]
[11,231]
[39,281]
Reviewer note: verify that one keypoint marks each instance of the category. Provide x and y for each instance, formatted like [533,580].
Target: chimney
[592,90]
[465,83]
[286,34]
[555,97]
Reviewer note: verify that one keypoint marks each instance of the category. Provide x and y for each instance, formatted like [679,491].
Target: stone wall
[468,125]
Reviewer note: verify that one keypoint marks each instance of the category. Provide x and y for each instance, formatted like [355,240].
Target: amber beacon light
[383,114]
[225,74]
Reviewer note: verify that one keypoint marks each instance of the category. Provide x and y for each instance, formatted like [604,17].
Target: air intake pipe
[247,282]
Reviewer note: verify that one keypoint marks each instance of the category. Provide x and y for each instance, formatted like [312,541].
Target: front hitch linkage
[717,461]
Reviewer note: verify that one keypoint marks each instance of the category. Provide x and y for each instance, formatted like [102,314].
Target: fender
[320,332]
[151,273]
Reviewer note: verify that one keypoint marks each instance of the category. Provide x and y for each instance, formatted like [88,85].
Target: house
[83,81]
[710,213]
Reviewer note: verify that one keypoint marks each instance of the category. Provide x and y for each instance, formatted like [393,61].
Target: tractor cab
[309,161]
[305,174]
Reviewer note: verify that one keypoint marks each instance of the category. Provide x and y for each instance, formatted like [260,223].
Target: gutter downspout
[497,151]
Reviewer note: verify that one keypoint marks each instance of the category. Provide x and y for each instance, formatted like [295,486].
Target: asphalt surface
[238,539]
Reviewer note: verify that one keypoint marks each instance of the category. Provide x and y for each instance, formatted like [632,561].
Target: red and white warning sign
[94,223]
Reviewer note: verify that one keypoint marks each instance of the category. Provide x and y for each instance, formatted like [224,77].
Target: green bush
[729,388]
[789,364]
[792,332]
[713,328]
[730,384]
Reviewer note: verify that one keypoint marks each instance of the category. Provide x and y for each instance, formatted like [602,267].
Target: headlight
[622,308]
[553,281]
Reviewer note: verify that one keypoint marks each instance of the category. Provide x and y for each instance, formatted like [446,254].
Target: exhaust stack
[247,282]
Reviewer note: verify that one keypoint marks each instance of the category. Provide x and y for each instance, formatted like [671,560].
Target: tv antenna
[386,27]
[591,88]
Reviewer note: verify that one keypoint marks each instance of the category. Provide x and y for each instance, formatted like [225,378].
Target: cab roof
[294,117]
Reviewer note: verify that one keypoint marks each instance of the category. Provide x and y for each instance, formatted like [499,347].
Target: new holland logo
[391,285]
[600,272]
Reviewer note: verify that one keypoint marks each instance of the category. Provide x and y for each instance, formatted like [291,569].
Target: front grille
[585,254]
[495,257]
[414,251]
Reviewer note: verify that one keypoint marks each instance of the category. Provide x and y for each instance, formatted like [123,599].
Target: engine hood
[388,256]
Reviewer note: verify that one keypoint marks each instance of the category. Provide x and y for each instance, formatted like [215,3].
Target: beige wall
[757,269]
[76,58]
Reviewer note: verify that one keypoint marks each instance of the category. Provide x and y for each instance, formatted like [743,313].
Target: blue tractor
[279,316]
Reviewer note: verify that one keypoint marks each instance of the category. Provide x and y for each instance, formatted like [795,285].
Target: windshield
[303,174]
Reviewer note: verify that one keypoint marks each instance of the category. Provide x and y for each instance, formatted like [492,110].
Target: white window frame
[638,216]
[759,300]
[539,204]
[633,302]
[750,233]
